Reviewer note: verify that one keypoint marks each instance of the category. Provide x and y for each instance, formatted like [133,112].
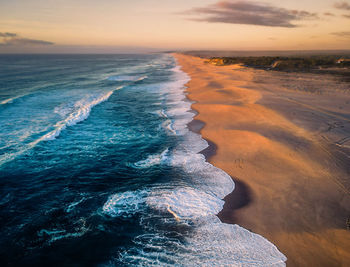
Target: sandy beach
[284,140]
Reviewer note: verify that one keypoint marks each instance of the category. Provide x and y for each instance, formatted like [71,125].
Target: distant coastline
[263,53]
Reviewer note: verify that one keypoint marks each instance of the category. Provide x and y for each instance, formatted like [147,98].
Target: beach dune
[282,145]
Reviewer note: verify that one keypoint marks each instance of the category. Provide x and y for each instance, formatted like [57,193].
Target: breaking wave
[197,236]
[81,111]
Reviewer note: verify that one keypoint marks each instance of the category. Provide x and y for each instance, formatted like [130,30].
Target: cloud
[329,14]
[251,13]
[10,39]
[7,34]
[341,34]
[342,5]
[25,41]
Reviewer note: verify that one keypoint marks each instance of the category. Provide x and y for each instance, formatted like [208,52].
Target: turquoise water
[98,168]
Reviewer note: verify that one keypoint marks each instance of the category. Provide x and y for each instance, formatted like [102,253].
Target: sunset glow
[106,25]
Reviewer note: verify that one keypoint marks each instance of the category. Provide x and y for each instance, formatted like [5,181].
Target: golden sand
[289,184]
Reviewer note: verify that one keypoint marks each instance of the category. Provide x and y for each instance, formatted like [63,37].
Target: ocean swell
[81,111]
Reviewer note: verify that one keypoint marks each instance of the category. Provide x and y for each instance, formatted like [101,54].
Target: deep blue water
[98,168]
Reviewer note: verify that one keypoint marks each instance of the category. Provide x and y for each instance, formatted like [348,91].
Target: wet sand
[285,140]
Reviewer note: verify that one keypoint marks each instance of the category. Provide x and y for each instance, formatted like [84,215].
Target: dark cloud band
[251,13]
[7,34]
[13,39]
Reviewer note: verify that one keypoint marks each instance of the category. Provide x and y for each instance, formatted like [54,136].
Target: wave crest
[81,112]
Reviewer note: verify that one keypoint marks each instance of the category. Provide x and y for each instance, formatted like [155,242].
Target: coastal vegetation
[286,63]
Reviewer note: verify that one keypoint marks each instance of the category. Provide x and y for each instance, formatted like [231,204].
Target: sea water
[99,168]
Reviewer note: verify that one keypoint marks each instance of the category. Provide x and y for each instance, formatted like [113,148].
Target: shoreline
[240,196]
[264,159]
[196,126]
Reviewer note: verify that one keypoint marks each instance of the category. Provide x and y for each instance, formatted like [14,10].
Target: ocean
[99,168]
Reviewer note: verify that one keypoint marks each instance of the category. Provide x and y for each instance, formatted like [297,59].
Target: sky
[96,26]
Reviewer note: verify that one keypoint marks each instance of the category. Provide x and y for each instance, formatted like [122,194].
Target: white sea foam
[80,112]
[185,202]
[169,125]
[161,113]
[74,204]
[209,242]
[54,235]
[126,78]
[124,204]
[152,160]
